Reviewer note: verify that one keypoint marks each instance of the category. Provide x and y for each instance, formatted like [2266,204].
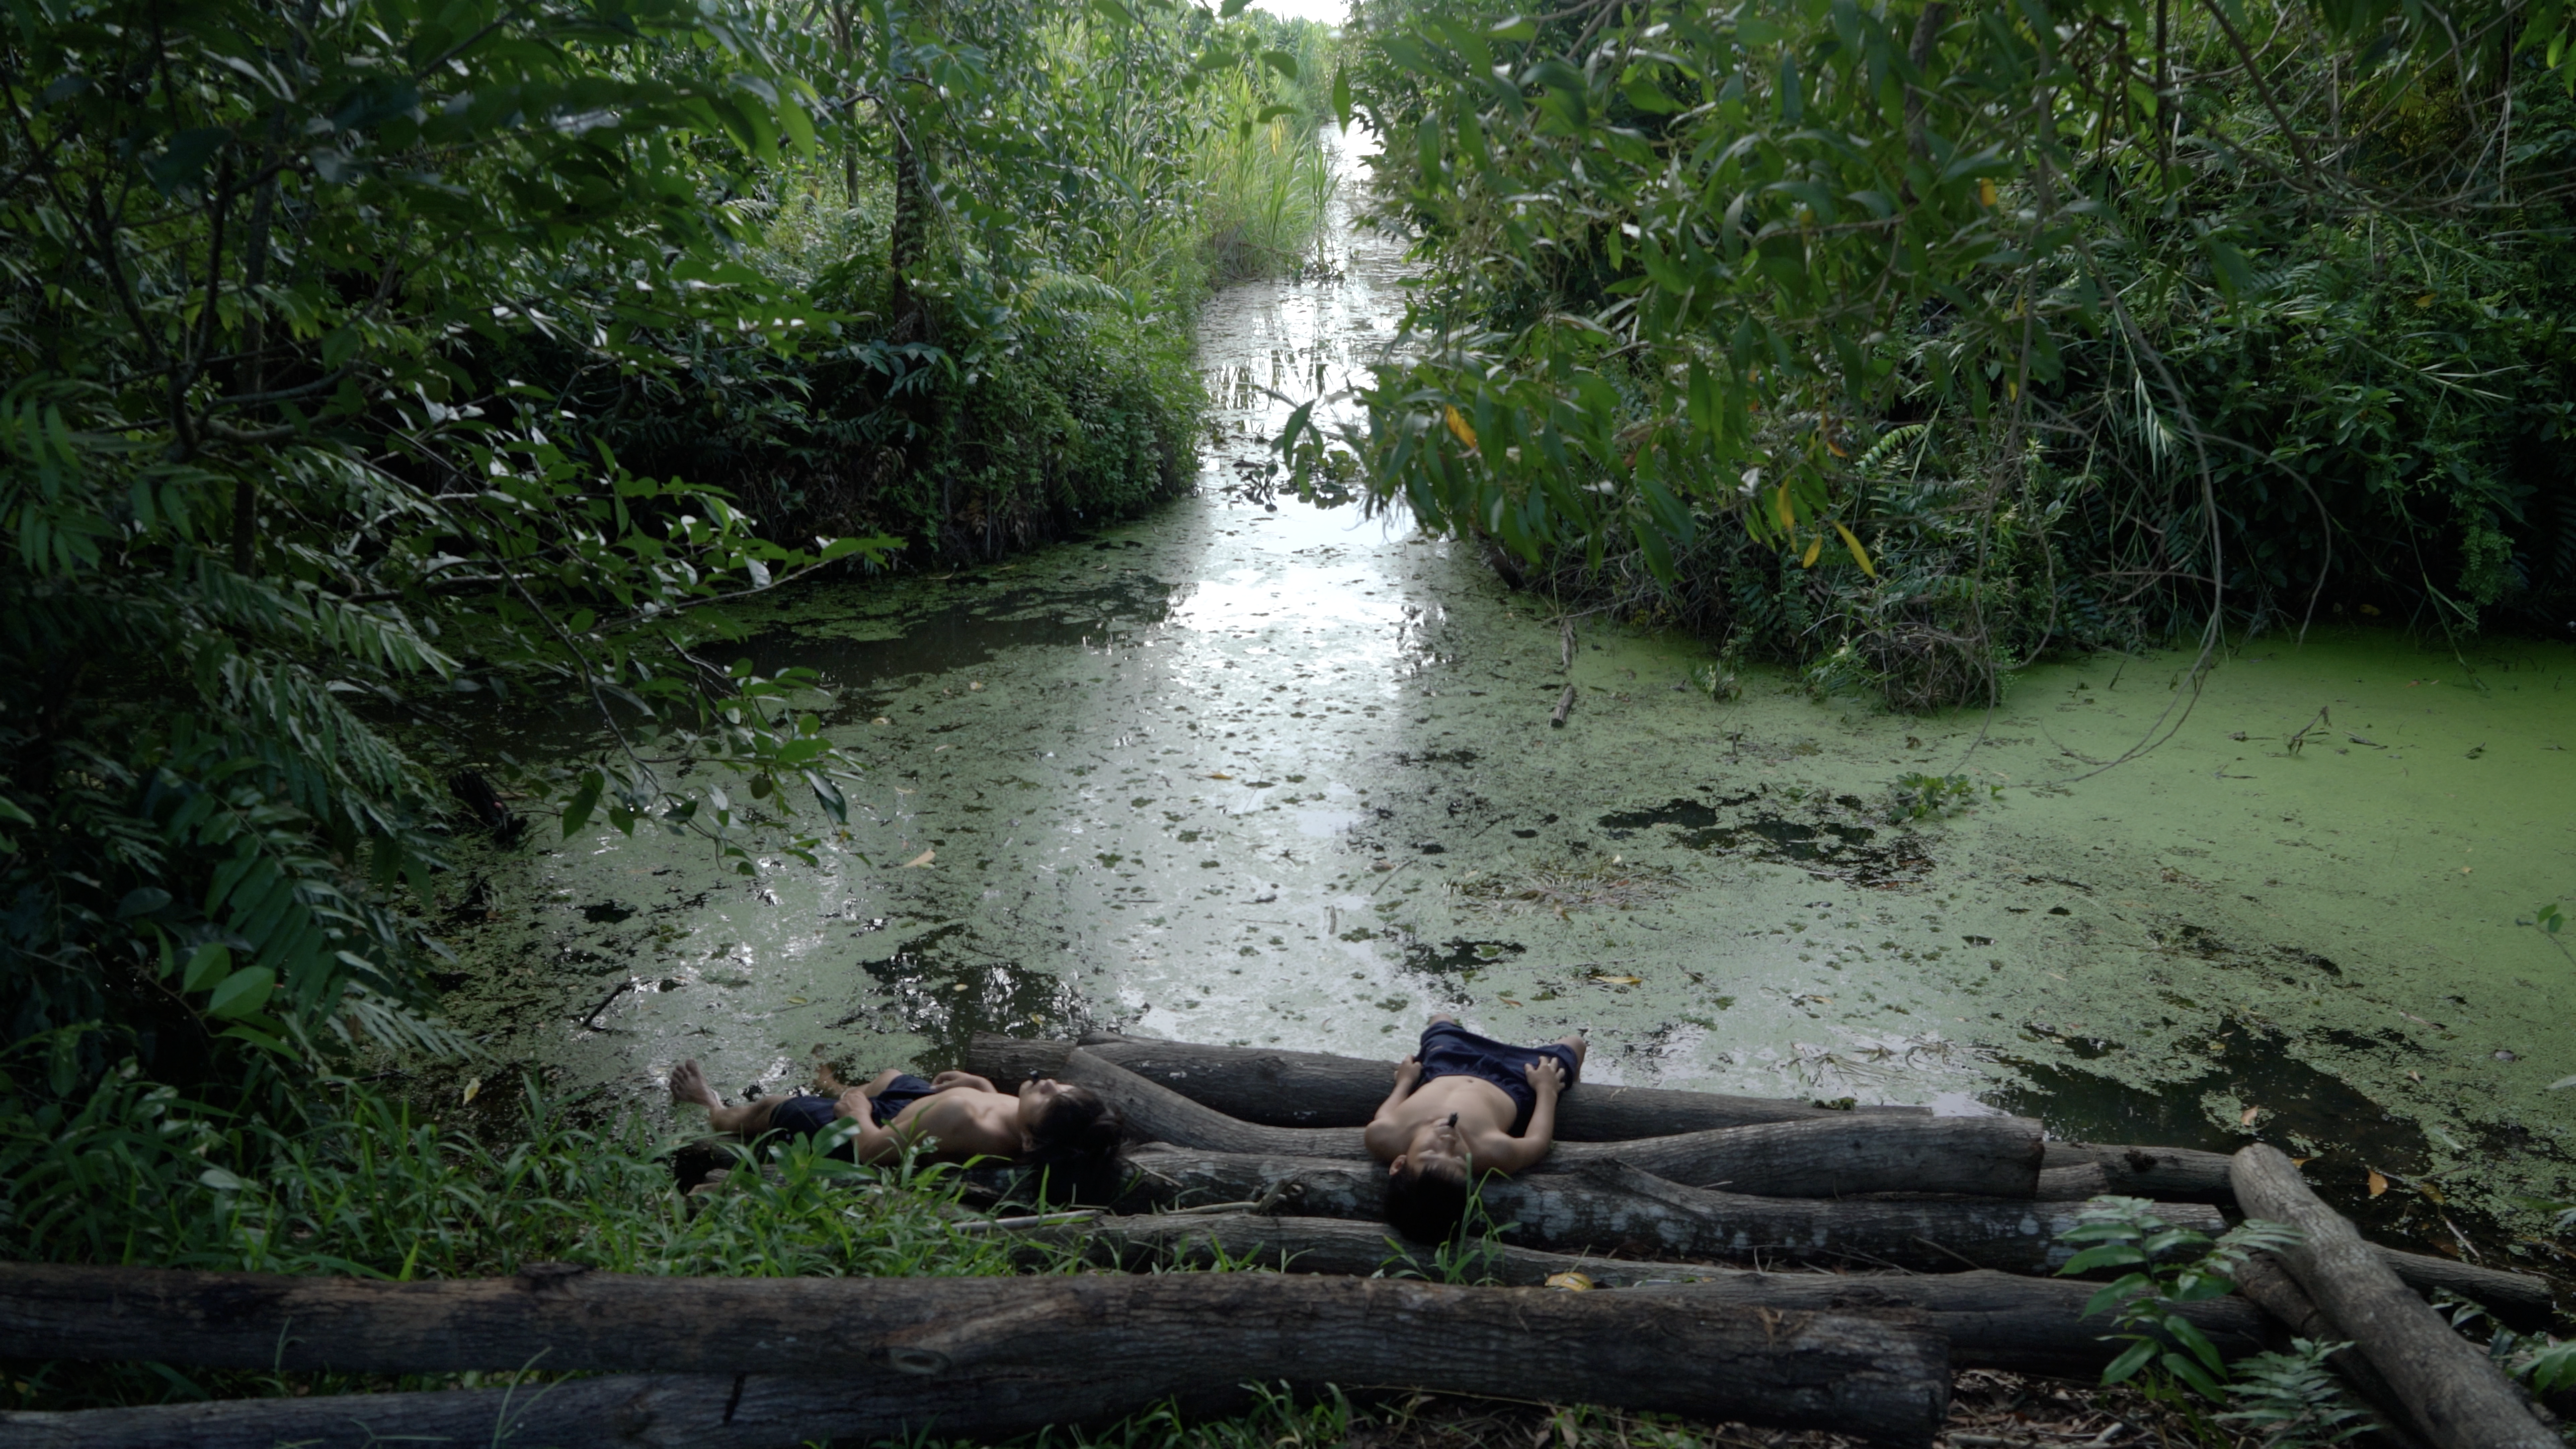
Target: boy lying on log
[1066,1131]
[1464,1104]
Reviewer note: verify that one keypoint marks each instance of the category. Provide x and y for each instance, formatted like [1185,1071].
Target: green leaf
[207,965]
[1280,61]
[2129,1362]
[243,992]
[576,812]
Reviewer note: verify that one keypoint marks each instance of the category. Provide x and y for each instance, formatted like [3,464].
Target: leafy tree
[1913,304]
[261,505]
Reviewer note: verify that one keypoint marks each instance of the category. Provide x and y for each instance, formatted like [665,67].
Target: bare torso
[959,1122]
[1484,1111]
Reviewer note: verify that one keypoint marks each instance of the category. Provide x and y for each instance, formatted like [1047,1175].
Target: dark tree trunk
[2457,1396]
[2171,1174]
[1314,1089]
[1834,1155]
[1991,1320]
[782,1361]
[2268,1286]
[1607,1207]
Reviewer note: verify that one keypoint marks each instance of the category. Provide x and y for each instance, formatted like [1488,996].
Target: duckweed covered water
[1251,771]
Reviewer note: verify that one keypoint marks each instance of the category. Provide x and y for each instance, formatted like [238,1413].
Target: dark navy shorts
[808,1116]
[1450,1050]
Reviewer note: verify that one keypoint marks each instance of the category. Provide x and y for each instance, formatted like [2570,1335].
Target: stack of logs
[1938,1234]
[1948,1224]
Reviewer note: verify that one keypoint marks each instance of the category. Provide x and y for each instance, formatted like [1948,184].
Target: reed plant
[1267,187]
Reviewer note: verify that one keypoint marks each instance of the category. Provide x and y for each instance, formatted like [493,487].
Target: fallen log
[2267,1285]
[1608,1206]
[1833,1156]
[2167,1174]
[2521,1300]
[2457,1396]
[1274,1088]
[1991,1320]
[782,1361]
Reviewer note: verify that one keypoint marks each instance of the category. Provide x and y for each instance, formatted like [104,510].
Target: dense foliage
[374,370]
[1908,341]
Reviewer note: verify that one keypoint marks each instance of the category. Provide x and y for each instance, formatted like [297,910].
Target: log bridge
[1734,1259]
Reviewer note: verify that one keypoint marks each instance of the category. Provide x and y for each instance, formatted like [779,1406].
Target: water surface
[1257,772]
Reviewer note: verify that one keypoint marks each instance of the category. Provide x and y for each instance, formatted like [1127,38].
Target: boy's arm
[1408,1075]
[1512,1154]
[946,1081]
[1384,1139]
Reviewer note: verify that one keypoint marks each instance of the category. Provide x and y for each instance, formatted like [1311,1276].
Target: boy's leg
[689,1085]
[1577,1043]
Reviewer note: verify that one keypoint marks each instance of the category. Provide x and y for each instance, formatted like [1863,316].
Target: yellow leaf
[881,720]
[1458,425]
[1814,547]
[1570,1282]
[1220,777]
[2246,1117]
[1859,554]
[2378,1184]
[2424,301]
[1788,516]
[796,1001]
[1985,191]
[922,859]
[473,1089]
[1608,980]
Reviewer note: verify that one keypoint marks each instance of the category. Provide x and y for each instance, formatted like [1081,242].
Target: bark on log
[2456,1394]
[2167,1174]
[2522,1300]
[783,1361]
[1991,1320]
[1836,1156]
[1607,1206]
[2266,1284]
[1313,1089]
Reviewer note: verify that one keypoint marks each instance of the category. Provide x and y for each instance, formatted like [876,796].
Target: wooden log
[1991,1320]
[1610,1207]
[1275,1088]
[783,1361]
[2457,1396]
[1833,1156]
[2167,1174]
[2522,1300]
[2265,1283]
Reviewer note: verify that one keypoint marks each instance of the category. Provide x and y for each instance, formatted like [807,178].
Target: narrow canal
[1249,770]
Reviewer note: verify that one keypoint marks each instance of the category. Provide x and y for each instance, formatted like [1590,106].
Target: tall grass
[1267,187]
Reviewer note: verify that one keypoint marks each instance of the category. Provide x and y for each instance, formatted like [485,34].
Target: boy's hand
[1408,1072]
[946,1080]
[1546,1076]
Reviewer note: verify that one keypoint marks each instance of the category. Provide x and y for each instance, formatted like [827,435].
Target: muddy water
[1252,771]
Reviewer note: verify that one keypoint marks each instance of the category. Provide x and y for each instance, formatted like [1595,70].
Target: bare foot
[689,1086]
[1438,1017]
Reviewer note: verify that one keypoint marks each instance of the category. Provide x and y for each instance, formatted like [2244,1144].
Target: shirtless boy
[1463,1105]
[954,1116]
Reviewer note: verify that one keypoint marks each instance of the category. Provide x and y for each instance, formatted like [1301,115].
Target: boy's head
[1068,1120]
[1426,1185]
[1072,1136]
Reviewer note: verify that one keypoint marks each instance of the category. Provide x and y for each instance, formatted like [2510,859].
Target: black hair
[1075,1149]
[1425,1204]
